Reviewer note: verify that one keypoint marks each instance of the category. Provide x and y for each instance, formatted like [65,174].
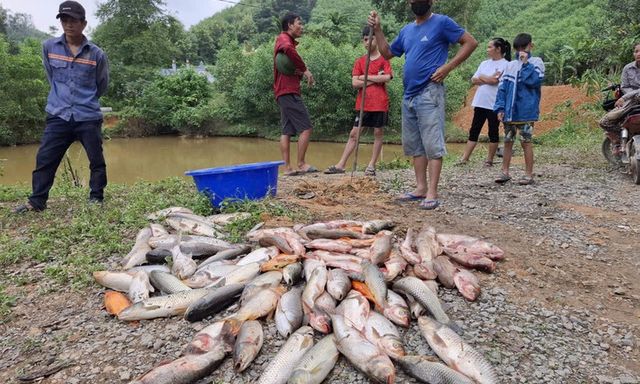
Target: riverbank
[563,307]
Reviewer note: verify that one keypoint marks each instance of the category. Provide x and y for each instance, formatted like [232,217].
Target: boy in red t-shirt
[376,106]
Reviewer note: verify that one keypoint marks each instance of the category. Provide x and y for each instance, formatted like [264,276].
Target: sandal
[332,170]
[24,208]
[429,204]
[370,171]
[488,163]
[525,180]
[502,178]
[406,197]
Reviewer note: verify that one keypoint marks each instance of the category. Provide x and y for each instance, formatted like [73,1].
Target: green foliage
[23,92]
[339,21]
[19,27]
[75,238]
[6,302]
[177,101]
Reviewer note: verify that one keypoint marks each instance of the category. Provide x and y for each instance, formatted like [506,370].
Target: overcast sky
[44,12]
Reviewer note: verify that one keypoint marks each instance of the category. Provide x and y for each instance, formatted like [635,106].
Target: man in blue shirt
[425,44]
[78,72]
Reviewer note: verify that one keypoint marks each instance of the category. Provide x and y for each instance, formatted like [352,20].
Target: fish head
[320,322]
[397,314]
[382,369]
[393,346]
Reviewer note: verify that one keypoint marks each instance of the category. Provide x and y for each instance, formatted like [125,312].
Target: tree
[3,21]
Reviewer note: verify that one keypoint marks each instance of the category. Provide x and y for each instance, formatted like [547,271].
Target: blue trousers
[58,136]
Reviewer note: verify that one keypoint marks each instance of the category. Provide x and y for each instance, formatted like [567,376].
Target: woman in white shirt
[487,78]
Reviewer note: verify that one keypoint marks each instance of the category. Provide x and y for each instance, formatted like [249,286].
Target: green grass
[6,302]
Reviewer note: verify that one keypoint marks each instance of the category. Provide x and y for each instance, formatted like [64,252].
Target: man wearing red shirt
[293,113]
[376,104]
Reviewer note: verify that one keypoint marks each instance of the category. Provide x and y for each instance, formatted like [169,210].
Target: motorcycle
[627,155]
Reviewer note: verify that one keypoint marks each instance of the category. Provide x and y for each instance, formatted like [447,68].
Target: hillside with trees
[581,41]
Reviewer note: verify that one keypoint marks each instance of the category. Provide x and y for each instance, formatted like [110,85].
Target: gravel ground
[562,308]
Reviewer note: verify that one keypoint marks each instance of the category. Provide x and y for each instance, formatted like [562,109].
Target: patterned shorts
[511,130]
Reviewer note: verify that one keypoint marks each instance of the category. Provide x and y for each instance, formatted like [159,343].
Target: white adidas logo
[424,38]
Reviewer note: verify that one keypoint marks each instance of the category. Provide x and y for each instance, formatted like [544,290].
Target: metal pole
[364,92]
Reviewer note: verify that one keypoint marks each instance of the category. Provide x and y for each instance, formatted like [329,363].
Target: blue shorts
[511,130]
[423,123]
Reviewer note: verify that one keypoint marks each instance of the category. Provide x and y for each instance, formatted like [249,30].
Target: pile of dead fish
[332,277]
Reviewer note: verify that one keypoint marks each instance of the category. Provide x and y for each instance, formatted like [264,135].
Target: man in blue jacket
[78,73]
[518,105]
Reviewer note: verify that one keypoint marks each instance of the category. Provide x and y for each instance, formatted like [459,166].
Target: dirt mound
[551,112]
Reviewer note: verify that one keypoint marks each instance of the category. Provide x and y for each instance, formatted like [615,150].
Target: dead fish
[374,226]
[361,353]
[138,253]
[277,241]
[217,335]
[260,255]
[467,283]
[163,241]
[473,261]
[309,264]
[289,314]
[243,274]
[470,245]
[210,276]
[226,254]
[260,304]
[428,371]
[316,363]
[329,245]
[162,306]
[158,256]
[354,309]
[269,279]
[194,224]
[445,271]
[394,266]
[319,319]
[456,353]
[416,288]
[214,302]
[381,248]
[292,273]
[223,219]
[184,370]
[115,302]
[425,270]
[140,287]
[279,262]
[149,268]
[157,230]
[118,281]
[381,332]
[314,288]
[199,250]
[166,282]
[248,345]
[416,309]
[332,234]
[406,248]
[375,281]
[396,309]
[183,265]
[282,365]
[161,214]
[338,284]
[427,244]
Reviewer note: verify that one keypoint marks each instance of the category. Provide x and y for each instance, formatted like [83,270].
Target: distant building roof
[200,69]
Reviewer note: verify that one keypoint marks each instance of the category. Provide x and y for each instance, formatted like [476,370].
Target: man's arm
[45,62]
[381,40]
[102,74]
[467,45]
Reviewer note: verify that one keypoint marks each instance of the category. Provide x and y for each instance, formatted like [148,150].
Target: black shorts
[372,119]
[293,115]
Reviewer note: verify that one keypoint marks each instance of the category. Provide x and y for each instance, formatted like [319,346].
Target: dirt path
[563,307]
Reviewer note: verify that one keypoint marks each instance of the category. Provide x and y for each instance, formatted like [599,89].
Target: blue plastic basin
[245,181]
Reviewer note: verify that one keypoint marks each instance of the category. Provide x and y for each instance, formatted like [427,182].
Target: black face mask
[421,8]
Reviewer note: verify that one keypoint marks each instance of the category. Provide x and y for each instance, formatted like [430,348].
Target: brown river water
[155,158]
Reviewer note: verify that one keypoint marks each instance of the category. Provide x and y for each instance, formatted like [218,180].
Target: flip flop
[502,178]
[294,173]
[429,204]
[408,197]
[311,169]
[333,170]
[525,180]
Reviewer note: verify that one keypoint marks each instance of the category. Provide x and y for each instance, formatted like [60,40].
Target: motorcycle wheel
[607,152]
[634,163]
